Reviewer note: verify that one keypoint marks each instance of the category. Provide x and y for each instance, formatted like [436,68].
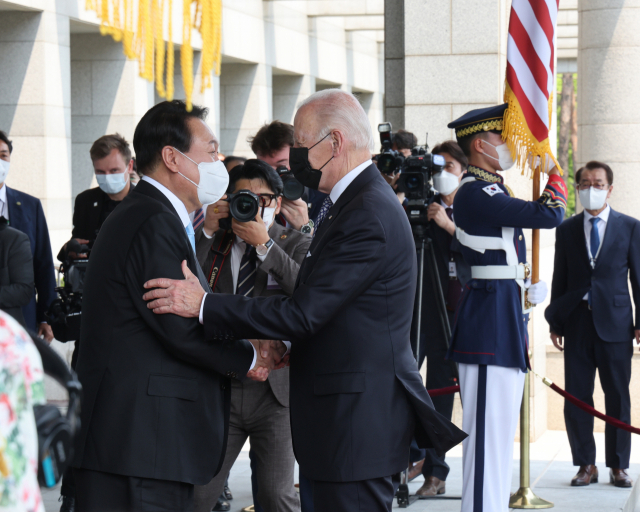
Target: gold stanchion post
[525,497]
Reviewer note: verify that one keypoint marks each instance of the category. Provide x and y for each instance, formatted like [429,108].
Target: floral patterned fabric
[21,387]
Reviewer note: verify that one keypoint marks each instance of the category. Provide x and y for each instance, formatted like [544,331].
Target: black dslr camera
[65,313]
[243,205]
[389,161]
[292,188]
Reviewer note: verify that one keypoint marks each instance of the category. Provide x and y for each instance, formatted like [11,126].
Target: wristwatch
[307,228]
[263,249]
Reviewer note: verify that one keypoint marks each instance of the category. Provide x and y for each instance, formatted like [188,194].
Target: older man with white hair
[356,395]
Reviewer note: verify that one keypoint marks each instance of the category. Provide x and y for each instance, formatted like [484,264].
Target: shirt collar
[3,194]
[603,215]
[179,206]
[346,180]
[482,175]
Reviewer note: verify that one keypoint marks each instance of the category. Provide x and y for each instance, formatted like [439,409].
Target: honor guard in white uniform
[490,343]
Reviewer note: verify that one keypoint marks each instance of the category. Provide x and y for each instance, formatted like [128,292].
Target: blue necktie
[192,236]
[324,209]
[594,243]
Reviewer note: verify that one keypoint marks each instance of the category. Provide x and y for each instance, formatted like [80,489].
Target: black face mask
[301,168]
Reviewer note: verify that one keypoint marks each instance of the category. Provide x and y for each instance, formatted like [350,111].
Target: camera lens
[293,189]
[413,183]
[243,206]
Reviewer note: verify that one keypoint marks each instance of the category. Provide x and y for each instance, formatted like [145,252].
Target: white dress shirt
[601,226]
[346,180]
[4,207]
[184,217]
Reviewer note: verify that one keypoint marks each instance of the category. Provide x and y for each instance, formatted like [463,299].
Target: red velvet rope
[443,391]
[587,408]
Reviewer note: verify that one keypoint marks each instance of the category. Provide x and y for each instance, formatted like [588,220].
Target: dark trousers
[68,487]
[584,352]
[374,495]
[106,492]
[440,374]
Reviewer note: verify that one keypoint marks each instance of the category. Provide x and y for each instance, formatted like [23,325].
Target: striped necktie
[247,272]
[594,245]
[198,219]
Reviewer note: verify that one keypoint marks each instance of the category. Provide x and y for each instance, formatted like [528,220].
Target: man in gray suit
[256,259]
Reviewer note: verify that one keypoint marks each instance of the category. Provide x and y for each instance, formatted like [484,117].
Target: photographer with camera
[256,257]
[397,146]
[453,272]
[112,164]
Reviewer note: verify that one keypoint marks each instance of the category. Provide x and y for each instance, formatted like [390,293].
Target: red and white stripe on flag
[530,78]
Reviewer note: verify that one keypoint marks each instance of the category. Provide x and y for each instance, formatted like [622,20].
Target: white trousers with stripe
[491,398]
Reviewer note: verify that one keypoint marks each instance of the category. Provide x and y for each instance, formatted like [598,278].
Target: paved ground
[551,472]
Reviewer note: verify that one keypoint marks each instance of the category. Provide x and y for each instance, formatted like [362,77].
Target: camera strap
[219,257]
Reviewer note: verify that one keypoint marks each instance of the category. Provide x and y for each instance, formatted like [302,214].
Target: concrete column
[107,95]
[288,92]
[608,112]
[35,111]
[394,66]
[245,105]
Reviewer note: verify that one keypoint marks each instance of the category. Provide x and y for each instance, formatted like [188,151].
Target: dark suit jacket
[87,214]
[282,264]
[16,272]
[618,263]
[155,396]
[355,388]
[26,215]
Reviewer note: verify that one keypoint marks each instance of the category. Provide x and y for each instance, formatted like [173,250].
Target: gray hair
[342,111]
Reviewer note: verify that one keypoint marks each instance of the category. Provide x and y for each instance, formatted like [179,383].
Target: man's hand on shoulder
[180,297]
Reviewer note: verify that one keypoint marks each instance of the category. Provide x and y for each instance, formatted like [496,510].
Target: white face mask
[593,198]
[112,183]
[445,183]
[505,161]
[268,216]
[4,170]
[214,180]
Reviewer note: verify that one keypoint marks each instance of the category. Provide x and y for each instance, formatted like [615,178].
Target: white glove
[549,164]
[537,292]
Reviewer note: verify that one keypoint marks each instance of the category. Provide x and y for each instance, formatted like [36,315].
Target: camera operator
[271,144]
[403,142]
[453,272]
[113,165]
[259,258]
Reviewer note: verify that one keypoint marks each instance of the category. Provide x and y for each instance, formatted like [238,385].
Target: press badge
[272,284]
[453,274]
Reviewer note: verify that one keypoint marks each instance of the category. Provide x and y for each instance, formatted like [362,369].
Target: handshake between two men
[184,298]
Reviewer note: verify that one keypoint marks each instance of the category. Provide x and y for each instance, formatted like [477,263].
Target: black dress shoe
[222,505]
[68,504]
[227,493]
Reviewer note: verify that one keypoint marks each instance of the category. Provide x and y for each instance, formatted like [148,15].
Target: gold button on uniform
[520,237]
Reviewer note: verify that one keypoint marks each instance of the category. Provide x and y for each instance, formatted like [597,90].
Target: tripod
[424,245]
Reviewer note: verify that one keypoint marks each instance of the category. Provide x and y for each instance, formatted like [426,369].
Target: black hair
[231,159]
[4,138]
[452,148]
[254,169]
[165,124]
[594,164]
[403,139]
[271,138]
[466,142]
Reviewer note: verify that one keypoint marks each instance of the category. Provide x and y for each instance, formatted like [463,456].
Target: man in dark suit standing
[25,213]
[597,253]
[156,391]
[272,255]
[356,394]
[453,273]
[16,271]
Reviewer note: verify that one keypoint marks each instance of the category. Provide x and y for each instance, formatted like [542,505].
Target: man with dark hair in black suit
[356,395]
[597,255]
[156,391]
[16,271]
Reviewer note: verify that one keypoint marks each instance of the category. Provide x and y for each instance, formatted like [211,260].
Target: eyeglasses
[599,186]
[266,200]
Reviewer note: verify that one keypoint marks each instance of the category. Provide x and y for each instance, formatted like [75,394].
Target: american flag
[530,80]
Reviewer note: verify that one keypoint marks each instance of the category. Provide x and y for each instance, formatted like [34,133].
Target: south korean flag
[494,189]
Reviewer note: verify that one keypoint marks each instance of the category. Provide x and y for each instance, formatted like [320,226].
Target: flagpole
[524,497]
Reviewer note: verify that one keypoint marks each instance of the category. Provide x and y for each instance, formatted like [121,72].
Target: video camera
[65,313]
[389,161]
